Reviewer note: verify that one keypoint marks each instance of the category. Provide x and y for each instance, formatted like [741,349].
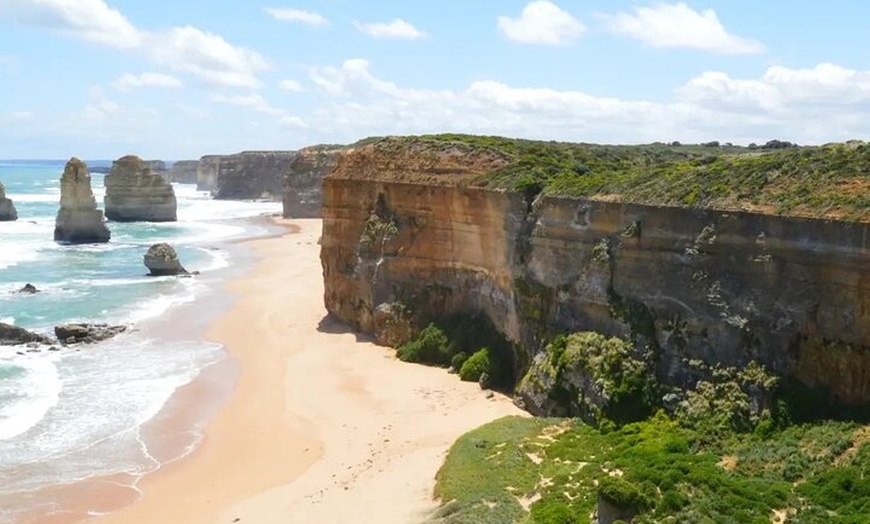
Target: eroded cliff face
[303,183]
[134,192]
[183,171]
[7,208]
[245,176]
[721,287]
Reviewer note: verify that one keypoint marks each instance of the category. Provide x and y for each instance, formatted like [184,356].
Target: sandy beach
[323,426]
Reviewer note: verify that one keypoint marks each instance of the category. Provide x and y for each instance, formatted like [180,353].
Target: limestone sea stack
[183,171]
[136,193]
[7,208]
[78,219]
[162,260]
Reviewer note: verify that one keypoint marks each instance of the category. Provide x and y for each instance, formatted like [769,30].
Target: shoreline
[320,424]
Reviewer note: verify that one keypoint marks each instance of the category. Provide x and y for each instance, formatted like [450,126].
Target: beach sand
[323,426]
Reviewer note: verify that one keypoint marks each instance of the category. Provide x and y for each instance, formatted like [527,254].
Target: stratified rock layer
[135,193]
[720,287]
[78,219]
[7,208]
[303,185]
[245,176]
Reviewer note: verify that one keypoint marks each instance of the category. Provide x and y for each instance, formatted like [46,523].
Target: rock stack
[162,260]
[78,219]
[7,208]
[184,171]
[303,183]
[135,193]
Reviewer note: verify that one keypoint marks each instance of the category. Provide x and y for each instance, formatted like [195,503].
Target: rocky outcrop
[303,184]
[28,289]
[245,176]
[408,227]
[13,335]
[183,171]
[7,208]
[78,219]
[135,193]
[162,260]
[86,333]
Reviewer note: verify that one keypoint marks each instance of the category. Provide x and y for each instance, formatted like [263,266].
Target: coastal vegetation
[831,181]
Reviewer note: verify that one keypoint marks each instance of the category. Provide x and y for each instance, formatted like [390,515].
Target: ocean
[78,413]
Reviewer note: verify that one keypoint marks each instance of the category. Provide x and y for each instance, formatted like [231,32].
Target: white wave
[8,320]
[37,391]
[19,198]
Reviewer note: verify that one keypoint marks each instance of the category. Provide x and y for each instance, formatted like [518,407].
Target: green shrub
[623,494]
[457,360]
[476,365]
[430,347]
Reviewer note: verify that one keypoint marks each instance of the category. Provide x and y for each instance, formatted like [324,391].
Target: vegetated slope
[829,181]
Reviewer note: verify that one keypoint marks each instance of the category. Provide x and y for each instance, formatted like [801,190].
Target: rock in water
[78,219]
[162,260]
[183,171]
[14,335]
[86,333]
[7,208]
[28,289]
[135,193]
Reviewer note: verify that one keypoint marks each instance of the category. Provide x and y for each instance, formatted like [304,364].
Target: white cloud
[260,105]
[21,115]
[542,22]
[678,25]
[188,49]
[208,56]
[290,85]
[397,29]
[297,15]
[129,81]
[90,20]
[815,105]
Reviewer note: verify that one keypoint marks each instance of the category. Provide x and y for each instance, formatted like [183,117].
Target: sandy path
[322,428]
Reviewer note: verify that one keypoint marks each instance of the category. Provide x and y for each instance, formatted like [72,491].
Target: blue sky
[103,78]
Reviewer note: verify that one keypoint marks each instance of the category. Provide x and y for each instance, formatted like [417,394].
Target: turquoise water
[73,414]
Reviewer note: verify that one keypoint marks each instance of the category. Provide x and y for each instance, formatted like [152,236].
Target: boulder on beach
[7,208]
[86,333]
[78,219]
[162,260]
[13,335]
[137,193]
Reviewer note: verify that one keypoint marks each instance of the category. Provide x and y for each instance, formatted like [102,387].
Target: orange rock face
[409,227]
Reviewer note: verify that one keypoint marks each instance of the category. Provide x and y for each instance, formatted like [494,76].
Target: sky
[186,78]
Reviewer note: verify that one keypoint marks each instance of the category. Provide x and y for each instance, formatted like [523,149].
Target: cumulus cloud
[208,56]
[90,20]
[290,85]
[543,23]
[128,82]
[260,105]
[187,49]
[286,14]
[678,25]
[397,29]
[711,106]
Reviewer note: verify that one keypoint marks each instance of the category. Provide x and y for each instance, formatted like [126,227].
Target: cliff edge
[720,255]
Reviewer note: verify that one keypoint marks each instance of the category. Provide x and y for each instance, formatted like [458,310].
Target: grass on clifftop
[553,471]
[830,181]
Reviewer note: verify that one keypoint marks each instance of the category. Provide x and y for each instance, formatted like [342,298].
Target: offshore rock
[183,171]
[136,193]
[13,335]
[245,176]
[78,219]
[303,184]
[86,333]
[28,289]
[162,260]
[406,224]
[7,208]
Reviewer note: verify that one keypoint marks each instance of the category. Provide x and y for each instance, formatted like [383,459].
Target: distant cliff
[245,176]
[654,244]
[183,171]
[303,184]
[134,192]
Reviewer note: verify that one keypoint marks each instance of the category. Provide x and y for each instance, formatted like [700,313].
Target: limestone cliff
[303,183]
[245,176]
[7,208]
[183,171]
[78,219]
[413,224]
[135,193]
